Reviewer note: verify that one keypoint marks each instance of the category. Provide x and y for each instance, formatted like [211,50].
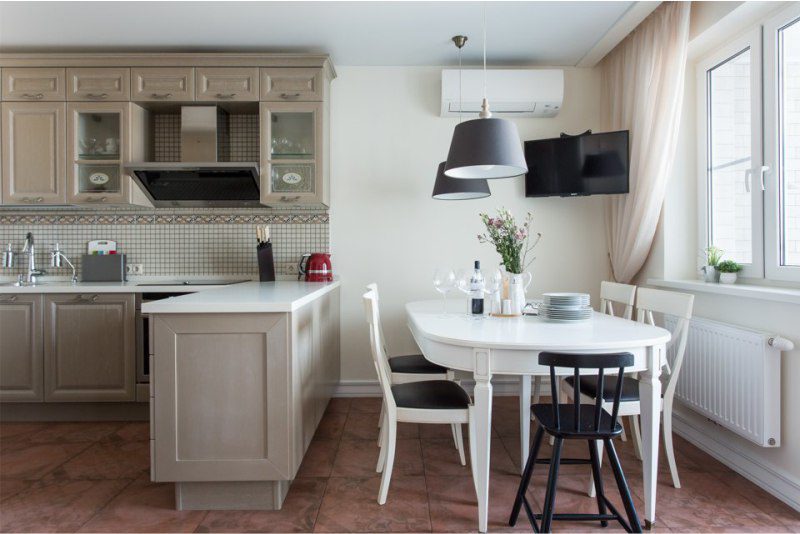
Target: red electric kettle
[316,267]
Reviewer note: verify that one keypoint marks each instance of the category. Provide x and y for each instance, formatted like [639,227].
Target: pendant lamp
[485,148]
[447,188]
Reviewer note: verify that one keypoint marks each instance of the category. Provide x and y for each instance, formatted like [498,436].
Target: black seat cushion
[415,364]
[545,416]
[430,395]
[630,387]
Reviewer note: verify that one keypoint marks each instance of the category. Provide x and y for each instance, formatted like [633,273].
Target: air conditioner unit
[518,93]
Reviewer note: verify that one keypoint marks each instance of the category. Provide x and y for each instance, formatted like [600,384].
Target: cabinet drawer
[162,84]
[291,84]
[33,84]
[233,84]
[99,84]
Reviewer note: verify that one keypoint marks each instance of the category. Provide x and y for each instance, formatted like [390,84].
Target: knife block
[266,262]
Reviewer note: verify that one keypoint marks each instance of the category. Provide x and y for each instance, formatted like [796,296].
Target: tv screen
[590,164]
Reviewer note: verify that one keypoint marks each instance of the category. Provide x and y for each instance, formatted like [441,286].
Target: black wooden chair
[575,421]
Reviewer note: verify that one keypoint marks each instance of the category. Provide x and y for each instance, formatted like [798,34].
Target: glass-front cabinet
[97,143]
[291,153]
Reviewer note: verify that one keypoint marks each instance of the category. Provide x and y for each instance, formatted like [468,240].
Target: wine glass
[492,287]
[444,280]
[463,281]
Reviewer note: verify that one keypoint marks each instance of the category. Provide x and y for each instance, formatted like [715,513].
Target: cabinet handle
[287,96]
[35,96]
[161,95]
[290,199]
[226,95]
[12,298]
[83,298]
[100,96]
[34,200]
[96,199]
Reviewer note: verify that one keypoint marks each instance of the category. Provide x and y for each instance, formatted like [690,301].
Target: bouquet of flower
[510,241]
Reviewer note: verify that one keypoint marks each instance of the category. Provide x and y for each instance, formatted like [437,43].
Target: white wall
[387,140]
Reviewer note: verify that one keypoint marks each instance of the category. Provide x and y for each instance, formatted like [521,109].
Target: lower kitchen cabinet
[89,348]
[21,357]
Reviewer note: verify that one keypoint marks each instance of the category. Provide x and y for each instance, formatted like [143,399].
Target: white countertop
[142,285]
[248,297]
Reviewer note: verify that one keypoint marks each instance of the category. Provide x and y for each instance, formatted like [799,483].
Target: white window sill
[775,294]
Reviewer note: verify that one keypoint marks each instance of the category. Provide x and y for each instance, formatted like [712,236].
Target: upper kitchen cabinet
[98,144]
[292,84]
[293,153]
[99,84]
[162,84]
[34,152]
[30,84]
[230,84]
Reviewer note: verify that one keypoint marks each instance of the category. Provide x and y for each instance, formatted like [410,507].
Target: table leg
[524,419]
[483,433]
[650,398]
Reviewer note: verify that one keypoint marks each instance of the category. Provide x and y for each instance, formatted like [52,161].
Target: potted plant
[728,270]
[513,244]
[713,256]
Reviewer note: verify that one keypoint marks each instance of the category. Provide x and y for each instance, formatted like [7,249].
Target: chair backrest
[618,361]
[612,292]
[376,345]
[374,288]
[679,305]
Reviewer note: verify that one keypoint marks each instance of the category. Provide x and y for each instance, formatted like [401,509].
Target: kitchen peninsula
[240,378]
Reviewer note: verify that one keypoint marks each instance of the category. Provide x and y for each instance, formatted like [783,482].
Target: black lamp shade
[485,149]
[447,188]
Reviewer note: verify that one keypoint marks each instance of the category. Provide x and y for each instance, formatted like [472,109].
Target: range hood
[200,179]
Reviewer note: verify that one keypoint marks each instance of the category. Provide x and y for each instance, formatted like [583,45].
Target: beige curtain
[642,92]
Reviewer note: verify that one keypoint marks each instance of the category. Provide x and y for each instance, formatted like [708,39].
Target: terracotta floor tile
[441,458]
[366,405]
[351,505]
[74,432]
[339,405]
[318,461]
[776,509]
[299,513]
[437,432]
[358,458]
[57,505]
[16,431]
[108,460]
[331,426]
[144,506]
[133,431]
[364,425]
[11,486]
[34,460]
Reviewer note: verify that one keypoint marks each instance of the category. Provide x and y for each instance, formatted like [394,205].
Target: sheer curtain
[642,91]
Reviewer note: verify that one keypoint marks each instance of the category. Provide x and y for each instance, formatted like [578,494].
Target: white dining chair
[614,293]
[648,302]
[411,368]
[427,402]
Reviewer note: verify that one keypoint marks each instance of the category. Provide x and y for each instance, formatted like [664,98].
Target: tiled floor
[93,477]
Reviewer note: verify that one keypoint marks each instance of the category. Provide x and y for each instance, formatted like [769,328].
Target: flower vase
[514,286]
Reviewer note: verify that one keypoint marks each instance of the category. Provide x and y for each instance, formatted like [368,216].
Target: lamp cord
[460,96]
[484,50]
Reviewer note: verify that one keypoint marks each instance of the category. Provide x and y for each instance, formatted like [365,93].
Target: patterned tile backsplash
[169,242]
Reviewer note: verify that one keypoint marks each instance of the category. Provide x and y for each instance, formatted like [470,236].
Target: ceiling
[353,33]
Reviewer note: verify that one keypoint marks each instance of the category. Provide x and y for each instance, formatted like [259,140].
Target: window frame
[752,40]
[772,211]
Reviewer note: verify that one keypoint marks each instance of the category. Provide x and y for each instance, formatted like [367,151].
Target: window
[750,191]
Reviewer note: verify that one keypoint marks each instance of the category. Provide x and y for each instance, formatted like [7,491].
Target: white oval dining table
[488,346]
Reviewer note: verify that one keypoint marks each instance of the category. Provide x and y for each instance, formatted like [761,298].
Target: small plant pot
[710,274]
[727,278]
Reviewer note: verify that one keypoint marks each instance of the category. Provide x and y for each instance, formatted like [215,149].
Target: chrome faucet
[30,250]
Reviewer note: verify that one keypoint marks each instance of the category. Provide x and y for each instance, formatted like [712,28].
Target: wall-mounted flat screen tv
[588,164]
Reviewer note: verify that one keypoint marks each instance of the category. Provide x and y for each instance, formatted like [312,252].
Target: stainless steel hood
[199,179]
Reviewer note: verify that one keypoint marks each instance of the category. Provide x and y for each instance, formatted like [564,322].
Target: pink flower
[496,222]
[520,235]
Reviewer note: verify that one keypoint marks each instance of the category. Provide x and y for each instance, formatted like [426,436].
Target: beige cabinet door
[292,84]
[222,397]
[97,145]
[291,153]
[160,84]
[21,356]
[99,84]
[33,84]
[33,148]
[90,347]
[227,84]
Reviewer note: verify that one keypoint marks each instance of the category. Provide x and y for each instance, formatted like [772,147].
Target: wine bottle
[476,287]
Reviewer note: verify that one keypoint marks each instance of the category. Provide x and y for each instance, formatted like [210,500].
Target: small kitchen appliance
[316,267]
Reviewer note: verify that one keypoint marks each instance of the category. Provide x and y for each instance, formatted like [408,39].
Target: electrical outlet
[134,268]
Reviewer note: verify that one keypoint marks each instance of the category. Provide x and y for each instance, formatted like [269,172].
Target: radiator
[732,375]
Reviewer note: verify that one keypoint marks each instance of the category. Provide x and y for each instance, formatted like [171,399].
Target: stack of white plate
[565,307]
